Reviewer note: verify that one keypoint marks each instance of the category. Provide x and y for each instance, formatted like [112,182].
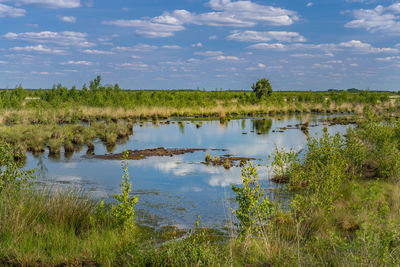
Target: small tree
[255,207]
[262,88]
[124,209]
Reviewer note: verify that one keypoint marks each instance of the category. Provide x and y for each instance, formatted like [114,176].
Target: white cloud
[171,47]
[197,45]
[246,13]
[323,66]
[254,36]
[46,73]
[7,11]
[148,29]
[335,62]
[37,48]
[227,58]
[77,63]
[133,66]
[268,46]
[225,13]
[308,55]
[66,38]
[353,45]
[49,3]
[310,4]
[353,65]
[69,19]
[261,66]
[366,48]
[136,48]
[209,53]
[212,37]
[385,19]
[394,58]
[97,52]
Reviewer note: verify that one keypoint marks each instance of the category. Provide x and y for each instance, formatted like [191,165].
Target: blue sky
[228,44]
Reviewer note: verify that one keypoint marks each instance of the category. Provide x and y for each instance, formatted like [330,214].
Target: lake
[176,190]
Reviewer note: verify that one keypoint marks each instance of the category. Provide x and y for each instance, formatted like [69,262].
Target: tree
[94,85]
[262,88]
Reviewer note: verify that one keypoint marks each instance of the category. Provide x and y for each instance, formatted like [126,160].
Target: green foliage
[124,210]
[262,88]
[322,172]
[12,175]
[282,162]
[254,206]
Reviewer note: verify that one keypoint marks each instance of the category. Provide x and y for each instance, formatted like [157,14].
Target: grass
[35,138]
[91,114]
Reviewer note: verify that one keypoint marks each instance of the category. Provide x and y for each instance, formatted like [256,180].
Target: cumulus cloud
[77,63]
[366,48]
[209,53]
[269,46]
[37,48]
[353,45]
[197,45]
[150,29]
[97,52]
[138,66]
[387,59]
[225,13]
[69,19]
[254,36]
[309,55]
[49,3]
[171,47]
[246,13]
[143,48]
[46,73]
[385,19]
[66,38]
[227,58]
[7,11]
[136,48]
[217,55]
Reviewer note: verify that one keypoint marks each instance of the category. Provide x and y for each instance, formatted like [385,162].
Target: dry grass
[220,110]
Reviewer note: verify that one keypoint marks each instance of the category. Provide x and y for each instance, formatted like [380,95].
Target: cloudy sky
[174,44]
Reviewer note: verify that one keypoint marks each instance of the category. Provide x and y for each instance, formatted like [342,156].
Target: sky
[201,44]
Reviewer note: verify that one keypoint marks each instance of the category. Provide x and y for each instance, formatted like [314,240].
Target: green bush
[254,206]
[12,175]
[124,210]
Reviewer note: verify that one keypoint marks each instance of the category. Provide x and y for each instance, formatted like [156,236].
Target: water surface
[175,190]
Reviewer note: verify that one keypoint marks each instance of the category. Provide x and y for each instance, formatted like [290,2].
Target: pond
[175,190]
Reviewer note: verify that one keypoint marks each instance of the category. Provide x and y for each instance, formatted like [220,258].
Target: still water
[175,190]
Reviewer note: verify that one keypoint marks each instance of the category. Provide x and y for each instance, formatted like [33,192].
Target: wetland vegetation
[344,210]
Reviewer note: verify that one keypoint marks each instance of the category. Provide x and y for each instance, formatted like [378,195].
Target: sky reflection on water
[175,190]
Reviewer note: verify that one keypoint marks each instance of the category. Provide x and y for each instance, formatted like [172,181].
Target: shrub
[254,206]
[208,158]
[12,175]
[124,210]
